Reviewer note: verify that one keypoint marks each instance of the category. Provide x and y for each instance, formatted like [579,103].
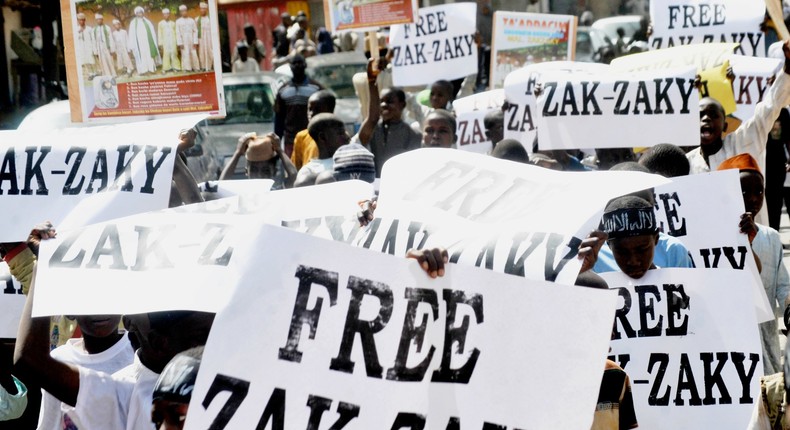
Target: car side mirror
[195,151]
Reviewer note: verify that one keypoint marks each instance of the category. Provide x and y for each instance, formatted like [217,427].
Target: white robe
[85,45]
[206,47]
[122,59]
[186,38]
[103,48]
[142,41]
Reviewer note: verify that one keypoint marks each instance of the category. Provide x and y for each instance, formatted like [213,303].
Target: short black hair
[666,160]
[399,93]
[492,118]
[627,202]
[446,85]
[325,97]
[510,149]
[629,166]
[322,122]
[591,279]
[445,115]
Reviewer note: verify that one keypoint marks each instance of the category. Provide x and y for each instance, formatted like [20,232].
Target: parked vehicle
[590,44]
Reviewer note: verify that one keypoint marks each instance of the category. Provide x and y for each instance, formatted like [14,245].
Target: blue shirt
[670,252]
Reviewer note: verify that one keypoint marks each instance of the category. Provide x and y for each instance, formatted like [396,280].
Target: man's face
[298,65]
[439,97]
[337,136]
[391,107]
[261,169]
[634,255]
[711,122]
[138,14]
[98,325]
[81,22]
[168,415]
[99,21]
[203,11]
[437,133]
[116,25]
[183,13]
[316,106]
[753,191]
[496,132]
[166,15]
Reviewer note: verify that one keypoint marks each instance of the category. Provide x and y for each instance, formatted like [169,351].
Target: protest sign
[440,45]
[715,83]
[521,39]
[12,301]
[450,352]
[752,75]
[520,116]
[128,61]
[470,112]
[109,171]
[685,22]
[362,15]
[173,259]
[690,344]
[635,108]
[702,57]
[709,227]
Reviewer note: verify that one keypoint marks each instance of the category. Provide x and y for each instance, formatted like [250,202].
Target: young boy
[767,247]
[439,130]
[666,160]
[391,136]
[262,155]
[305,148]
[173,390]
[102,348]
[329,133]
[630,222]
[494,123]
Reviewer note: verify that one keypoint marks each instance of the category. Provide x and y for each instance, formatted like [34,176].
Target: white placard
[470,112]
[173,259]
[686,22]
[12,301]
[440,45]
[521,114]
[433,352]
[618,110]
[690,346]
[213,190]
[100,173]
[709,227]
[751,81]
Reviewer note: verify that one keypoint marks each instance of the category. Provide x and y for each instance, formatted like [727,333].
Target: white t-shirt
[249,66]
[110,361]
[121,401]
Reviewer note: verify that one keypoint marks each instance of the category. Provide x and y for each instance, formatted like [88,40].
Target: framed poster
[368,14]
[142,61]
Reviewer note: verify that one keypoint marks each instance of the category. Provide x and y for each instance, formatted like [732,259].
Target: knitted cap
[354,161]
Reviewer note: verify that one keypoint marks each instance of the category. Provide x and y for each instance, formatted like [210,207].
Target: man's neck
[95,345]
[710,149]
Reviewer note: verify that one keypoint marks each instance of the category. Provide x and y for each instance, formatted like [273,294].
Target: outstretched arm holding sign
[374,108]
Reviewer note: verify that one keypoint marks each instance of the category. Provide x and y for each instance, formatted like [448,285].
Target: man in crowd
[329,134]
[84,47]
[280,44]
[123,60]
[168,45]
[186,40]
[290,105]
[142,38]
[104,46]
[205,39]
[305,149]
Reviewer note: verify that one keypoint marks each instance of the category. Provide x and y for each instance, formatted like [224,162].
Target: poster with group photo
[344,15]
[144,60]
[521,39]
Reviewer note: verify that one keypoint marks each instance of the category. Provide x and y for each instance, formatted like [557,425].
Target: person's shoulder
[670,241]
[693,153]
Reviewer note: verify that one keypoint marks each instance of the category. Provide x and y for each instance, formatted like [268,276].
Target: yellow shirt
[305,149]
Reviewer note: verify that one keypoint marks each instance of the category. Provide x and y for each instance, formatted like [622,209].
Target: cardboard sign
[470,112]
[433,353]
[686,22]
[367,15]
[73,177]
[440,45]
[128,61]
[690,347]
[709,227]
[702,57]
[12,301]
[751,81]
[173,259]
[635,108]
[521,114]
[521,39]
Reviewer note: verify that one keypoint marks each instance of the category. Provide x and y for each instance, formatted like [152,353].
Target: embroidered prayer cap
[741,162]
[203,5]
[165,11]
[629,216]
[182,8]
[177,380]
[260,149]
[354,161]
[98,16]
[115,21]
[139,9]
[80,15]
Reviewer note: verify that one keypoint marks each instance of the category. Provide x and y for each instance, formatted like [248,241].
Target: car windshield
[584,45]
[247,104]
[337,78]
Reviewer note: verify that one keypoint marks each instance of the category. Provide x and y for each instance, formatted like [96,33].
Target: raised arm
[288,165]
[374,105]
[241,149]
[32,361]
